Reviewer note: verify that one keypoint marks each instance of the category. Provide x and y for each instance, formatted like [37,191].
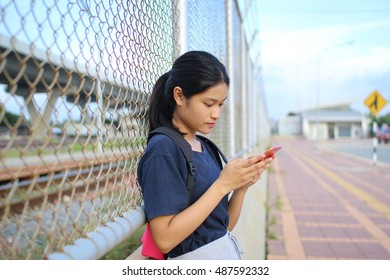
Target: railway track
[35,183]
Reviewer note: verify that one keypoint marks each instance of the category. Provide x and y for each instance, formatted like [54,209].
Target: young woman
[189,98]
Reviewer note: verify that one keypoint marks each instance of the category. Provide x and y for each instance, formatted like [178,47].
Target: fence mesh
[213,27]
[75,78]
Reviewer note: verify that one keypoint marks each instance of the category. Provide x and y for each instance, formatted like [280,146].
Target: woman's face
[200,112]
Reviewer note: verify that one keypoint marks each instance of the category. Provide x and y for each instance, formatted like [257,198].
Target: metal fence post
[232,124]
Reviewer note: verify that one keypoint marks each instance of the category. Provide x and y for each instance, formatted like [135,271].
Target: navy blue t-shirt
[162,174]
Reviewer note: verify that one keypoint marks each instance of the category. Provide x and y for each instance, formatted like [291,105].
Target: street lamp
[318,80]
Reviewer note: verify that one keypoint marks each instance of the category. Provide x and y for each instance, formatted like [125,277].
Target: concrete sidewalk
[324,205]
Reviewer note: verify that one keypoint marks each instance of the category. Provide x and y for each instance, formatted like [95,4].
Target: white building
[291,125]
[326,122]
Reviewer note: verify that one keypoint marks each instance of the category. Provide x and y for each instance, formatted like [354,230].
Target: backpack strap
[185,147]
[217,153]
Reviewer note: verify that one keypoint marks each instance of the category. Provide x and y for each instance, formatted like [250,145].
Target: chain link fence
[75,78]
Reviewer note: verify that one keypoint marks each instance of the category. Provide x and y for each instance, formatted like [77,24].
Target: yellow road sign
[375,102]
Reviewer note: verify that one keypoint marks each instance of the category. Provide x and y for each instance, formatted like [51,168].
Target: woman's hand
[242,173]
[237,199]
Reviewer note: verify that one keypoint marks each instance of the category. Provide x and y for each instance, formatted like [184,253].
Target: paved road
[324,205]
[362,148]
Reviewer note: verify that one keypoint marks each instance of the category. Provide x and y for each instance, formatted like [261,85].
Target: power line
[325,10]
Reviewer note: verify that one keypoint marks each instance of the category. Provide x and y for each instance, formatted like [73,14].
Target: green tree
[385,119]
[8,118]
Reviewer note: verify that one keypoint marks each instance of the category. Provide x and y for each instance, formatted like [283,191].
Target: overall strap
[185,147]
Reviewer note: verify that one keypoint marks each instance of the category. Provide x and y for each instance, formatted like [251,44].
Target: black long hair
[194,72]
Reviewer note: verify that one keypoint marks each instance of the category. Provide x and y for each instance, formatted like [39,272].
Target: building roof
[330,107]
[335,113]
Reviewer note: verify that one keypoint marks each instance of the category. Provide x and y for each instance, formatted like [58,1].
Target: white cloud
[289,62]
[376,61]
[281,46]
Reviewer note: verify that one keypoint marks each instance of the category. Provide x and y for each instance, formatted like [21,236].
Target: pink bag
[149,249]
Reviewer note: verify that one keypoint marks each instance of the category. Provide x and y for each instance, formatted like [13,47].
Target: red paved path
[326,206]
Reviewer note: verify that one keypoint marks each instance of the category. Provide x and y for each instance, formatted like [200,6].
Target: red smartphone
[272,151]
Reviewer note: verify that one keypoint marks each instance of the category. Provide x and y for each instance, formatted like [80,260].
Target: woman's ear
[178,95]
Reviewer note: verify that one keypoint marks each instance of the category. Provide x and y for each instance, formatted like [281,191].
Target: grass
[279,203]
[272,220]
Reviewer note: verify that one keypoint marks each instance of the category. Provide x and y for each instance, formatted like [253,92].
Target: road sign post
[375,102]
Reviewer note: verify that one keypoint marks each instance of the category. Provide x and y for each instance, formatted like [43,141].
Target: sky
[323,52]
[312,52]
